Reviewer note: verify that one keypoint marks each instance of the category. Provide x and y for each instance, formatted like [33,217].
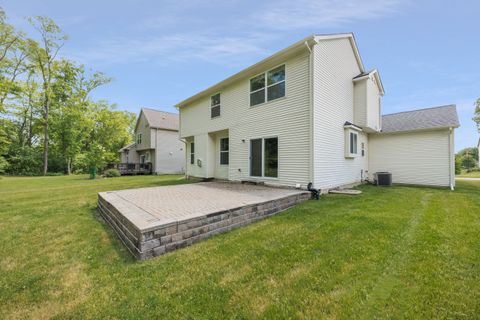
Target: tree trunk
[69,166]
[45,141]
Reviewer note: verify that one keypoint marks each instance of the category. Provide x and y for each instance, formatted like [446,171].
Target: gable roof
[422,119]
[129,147]
[274,59]
[378,80]
[157,119]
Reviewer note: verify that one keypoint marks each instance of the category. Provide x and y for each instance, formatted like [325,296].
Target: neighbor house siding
[146,132]
[169,152]
[422,158]
[286,118]
[335,66]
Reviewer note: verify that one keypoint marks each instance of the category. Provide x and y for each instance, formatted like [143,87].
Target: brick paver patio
[152,221]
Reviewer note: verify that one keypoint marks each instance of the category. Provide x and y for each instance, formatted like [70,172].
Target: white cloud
[180,35]
[168,48]
[287,14]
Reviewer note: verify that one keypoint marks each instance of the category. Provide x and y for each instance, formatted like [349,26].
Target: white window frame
[217,105]
[266,86]
[351,130]
[192,153]
[139,138]
[263,177]
[224,151]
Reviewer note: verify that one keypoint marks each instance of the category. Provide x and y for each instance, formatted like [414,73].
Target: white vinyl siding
[335,66]
[286,118]
[422,158]
[169,155]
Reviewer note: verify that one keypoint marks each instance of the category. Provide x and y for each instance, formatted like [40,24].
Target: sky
[161,52]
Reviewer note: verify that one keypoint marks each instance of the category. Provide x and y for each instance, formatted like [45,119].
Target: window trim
[219,105]
[139,138]
[223,151]
[349,131]
[263,177]
[266,86]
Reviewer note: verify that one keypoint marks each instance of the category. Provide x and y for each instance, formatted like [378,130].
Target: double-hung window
[353,142]
[192,153]
[224,149]
[267,86]
[139,138]
[215,106]
[264,157]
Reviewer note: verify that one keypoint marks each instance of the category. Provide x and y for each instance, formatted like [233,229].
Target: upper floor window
[267,86]
[215,106]
[224,148]
[139,138]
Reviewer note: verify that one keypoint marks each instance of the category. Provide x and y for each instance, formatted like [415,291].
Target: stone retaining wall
[145,244]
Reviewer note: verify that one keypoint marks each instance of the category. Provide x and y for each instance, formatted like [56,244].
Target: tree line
[49,123]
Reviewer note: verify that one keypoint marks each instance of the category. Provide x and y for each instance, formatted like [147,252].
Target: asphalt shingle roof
[161,119]
[430,118]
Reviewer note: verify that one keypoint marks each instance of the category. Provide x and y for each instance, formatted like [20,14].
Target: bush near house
[111,173]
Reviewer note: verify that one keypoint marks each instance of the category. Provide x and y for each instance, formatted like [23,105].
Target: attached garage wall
[423,158]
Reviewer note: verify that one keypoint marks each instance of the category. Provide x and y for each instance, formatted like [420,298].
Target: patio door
[264,157]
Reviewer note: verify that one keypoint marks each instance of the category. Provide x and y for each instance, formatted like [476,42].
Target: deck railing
[134,168]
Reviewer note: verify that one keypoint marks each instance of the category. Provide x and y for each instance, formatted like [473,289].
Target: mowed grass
[399,252]
[473,174]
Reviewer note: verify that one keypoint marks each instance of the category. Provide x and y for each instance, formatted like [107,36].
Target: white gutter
[451,157]
[311,120]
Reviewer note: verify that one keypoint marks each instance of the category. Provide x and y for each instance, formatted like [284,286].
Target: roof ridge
[415,110]
[159,110]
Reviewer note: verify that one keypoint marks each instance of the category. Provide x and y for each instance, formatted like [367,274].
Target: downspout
[311,122]
[452,163]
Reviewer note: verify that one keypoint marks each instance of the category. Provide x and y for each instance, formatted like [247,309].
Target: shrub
[55,174]
[458,165]
[112,173]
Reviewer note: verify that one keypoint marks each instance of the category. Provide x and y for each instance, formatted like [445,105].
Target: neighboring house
[478,151]
[312,113]
[156,142]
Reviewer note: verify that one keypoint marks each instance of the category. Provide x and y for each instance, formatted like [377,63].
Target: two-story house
[312,113]
[157,144]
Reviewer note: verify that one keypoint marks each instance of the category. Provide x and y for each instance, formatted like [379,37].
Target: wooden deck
[134,168]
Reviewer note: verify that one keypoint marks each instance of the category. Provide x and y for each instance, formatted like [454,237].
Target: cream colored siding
[334,67]
[146,132]
[373,106]
[286,118]
[360,103]
[423,158]
[169,154]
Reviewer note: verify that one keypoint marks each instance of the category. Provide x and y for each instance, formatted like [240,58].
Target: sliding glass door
[264,157]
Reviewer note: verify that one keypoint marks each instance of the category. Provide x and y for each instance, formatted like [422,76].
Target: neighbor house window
[264,157]
[139,138]
[192,153]
[353,142]
[267,86]
[215,106]
[224,151]
[363,149]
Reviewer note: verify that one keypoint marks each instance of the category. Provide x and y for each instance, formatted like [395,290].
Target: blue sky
[160,52]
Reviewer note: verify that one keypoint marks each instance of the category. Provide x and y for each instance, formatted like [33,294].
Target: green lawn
[465,174]
[395,252]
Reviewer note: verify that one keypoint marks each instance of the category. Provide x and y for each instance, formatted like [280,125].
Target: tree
[43,54]
[476,116]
